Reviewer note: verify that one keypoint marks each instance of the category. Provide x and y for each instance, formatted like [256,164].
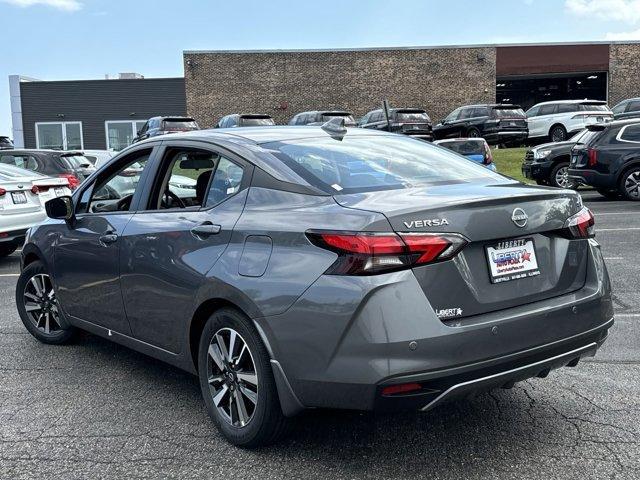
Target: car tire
[611,194]
[7,249]
[558,133]
[558,176]
[238,388]
[473,133]
[629,186]
[38,307]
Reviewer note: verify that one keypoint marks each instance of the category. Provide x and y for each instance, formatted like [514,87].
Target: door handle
[205,229]
[107,238]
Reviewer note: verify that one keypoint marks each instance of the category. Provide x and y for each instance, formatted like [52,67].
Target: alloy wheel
[40,303]
[233,379]
[558,135]
[632,184]
[562,178]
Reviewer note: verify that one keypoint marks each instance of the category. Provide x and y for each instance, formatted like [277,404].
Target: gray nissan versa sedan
[320,267]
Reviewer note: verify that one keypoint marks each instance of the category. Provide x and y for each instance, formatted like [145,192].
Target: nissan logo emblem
[519,217]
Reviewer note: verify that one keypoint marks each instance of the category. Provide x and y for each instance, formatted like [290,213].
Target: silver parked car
[320,267]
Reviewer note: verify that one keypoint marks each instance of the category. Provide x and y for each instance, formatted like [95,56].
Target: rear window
[590,107]
[179,125]
[411,116]
[508,113]
[465,147]
[359,164]
[75,161]
[257,121]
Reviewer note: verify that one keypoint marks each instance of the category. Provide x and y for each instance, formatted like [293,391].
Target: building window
[120,133]
[59,135]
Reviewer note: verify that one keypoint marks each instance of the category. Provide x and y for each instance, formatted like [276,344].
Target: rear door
[171,244]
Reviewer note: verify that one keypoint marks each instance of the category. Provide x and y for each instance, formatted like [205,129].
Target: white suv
[561,119]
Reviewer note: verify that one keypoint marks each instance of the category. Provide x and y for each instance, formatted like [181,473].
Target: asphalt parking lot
[97,410]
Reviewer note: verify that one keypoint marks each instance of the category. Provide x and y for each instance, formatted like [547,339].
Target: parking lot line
[617,213]
[627,229]
[9,274]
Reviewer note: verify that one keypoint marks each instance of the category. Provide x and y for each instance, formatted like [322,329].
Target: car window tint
[225,183]
[114,190]
[631,133]
[548,109]
[633,106]
[567,108]
[183,179]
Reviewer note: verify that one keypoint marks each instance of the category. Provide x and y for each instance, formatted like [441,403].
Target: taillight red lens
[581,225]
[488,156]
[39,189]
[402,388]
[2,192]
[364,253]
[592,155]
[72,179]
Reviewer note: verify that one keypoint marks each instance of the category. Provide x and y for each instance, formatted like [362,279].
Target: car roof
[322,112]
[43,150]
[265,134]
[584,100]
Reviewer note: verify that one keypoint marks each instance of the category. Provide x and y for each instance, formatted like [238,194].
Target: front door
[86,256]
[167,249]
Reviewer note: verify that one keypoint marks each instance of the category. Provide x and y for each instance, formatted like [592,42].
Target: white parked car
[560,119]
[23,194]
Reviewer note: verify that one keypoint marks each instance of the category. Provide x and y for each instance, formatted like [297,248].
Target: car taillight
[366,253]
[3,192]
[581,225]
[72,179]
[488,156]
[36,189]
[592,155]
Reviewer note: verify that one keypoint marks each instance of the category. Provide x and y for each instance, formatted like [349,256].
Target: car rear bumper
[593,178]
[347,338]
[13,236]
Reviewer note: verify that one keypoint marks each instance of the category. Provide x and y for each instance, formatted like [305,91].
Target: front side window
[59,135]
[533,111]
[113,191]
[358,164]
[453,115]
[548,109]
[634,106]
[225,183]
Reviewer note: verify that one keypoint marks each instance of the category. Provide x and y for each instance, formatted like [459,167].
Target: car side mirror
[60,208]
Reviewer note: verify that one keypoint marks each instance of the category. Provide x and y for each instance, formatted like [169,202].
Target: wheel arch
[554,125]
[30,254]
[634,162]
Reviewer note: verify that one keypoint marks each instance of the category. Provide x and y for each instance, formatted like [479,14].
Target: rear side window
[358,164]
[567,108]
[631,133]
[75,161]
[548,109]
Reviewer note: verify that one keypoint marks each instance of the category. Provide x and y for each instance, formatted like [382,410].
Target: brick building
[439,79]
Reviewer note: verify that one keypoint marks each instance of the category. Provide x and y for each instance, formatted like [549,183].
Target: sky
[86,39]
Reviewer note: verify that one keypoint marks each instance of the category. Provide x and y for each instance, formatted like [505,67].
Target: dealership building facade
[438,79]
[98,114]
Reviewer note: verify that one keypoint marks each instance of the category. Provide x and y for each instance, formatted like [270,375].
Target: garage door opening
[528,90]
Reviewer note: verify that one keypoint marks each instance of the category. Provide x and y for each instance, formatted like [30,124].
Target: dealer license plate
[19,197]
[512,259]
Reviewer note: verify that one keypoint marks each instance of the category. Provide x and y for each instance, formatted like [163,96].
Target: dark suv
[610,159]
[5,142]
[409,121]
[318,117]
[245,120]
[161,125]
[496,123]
[55,163]
[629,108]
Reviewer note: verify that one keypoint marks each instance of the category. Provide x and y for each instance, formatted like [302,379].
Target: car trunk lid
[487,215]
